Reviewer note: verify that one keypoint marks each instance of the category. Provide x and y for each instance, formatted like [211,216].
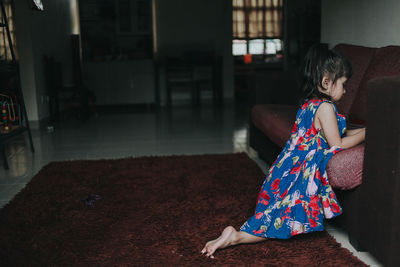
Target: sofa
[365,178]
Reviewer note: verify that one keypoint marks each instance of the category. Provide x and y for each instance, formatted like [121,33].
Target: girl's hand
[326,120]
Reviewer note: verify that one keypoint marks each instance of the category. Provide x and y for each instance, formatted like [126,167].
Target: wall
[39,34]
[191,24]
[362,22]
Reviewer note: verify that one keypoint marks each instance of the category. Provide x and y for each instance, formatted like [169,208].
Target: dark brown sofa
[366,178]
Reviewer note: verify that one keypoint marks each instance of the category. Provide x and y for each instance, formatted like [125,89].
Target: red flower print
[275,184]
[295,169]
[325,203]
[312,131]
[284,217]
[320,177]
[258,231]
[324,180]
[294,129]
[336,151]
[316,100]
[314,214]
[318,174]
[314,202]
[303,147]
[313,223]
[284,193]
[313,205]
[300,140]
[298,201]
[259,215]
[305,105]
[264,195]
[335,207]
[295,232]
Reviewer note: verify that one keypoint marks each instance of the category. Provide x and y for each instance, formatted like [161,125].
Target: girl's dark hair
[318,62]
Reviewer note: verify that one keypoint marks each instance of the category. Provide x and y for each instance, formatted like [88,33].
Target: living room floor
[118,133]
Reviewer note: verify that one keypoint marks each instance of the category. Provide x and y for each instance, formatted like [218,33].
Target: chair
[179,74]
[194,70]
[206,73]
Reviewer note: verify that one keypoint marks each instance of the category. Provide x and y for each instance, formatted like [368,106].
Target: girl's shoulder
[327,106]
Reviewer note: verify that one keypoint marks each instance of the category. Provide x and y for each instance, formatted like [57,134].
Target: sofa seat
[275,121]
[344,169]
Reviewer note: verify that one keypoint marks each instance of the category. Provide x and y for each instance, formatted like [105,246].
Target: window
[257,27]
[5,53]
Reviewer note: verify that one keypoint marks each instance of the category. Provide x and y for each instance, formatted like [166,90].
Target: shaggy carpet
[147,211]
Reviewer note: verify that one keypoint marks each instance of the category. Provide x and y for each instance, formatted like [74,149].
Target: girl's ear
[326,82]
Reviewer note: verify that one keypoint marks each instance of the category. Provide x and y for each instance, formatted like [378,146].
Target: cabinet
[117,51]
[116,30]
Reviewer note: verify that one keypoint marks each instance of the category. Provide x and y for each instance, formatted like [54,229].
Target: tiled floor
[182,130]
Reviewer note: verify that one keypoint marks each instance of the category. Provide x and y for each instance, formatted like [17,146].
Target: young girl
[296,195]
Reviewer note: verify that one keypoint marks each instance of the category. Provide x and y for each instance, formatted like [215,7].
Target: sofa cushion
[345,168]
[360,58]
[385,62]
[275,121]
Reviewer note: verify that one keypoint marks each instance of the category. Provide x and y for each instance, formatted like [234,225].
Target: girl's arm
[327,120]
[354,131]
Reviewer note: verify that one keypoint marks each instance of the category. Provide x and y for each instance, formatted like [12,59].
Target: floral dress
[296,196]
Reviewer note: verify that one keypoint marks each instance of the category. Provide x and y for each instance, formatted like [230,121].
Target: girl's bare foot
[224,240]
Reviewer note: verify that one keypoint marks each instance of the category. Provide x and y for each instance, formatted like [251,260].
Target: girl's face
[334,89]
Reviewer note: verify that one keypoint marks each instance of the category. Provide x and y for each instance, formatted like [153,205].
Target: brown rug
[147,211]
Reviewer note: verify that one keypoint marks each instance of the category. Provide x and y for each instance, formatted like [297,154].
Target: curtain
[5,53]
[257,19]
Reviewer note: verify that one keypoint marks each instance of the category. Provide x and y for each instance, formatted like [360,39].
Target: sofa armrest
[379,203]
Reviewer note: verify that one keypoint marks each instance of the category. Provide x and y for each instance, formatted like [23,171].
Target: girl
[296,195]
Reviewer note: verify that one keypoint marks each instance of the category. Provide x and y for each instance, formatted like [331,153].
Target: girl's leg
[229,237]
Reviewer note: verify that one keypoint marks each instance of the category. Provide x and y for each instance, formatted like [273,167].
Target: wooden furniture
[194,71]
[121,82]
[179,74]
[117,51]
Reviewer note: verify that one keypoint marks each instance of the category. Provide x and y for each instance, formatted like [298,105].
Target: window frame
[246,9]
[5,52]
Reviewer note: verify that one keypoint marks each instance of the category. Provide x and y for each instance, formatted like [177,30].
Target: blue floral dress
[296,196]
